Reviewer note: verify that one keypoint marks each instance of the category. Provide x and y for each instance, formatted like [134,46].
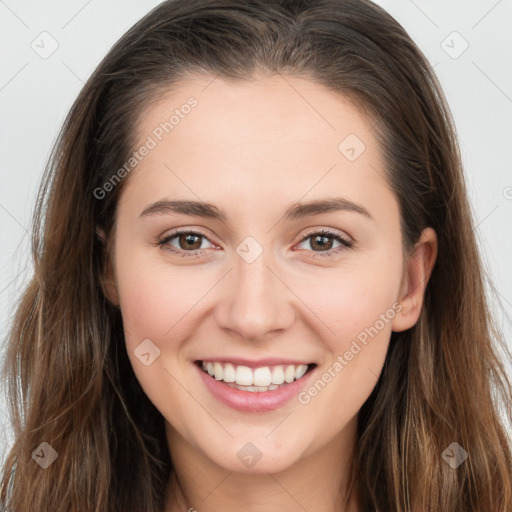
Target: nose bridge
[256,300]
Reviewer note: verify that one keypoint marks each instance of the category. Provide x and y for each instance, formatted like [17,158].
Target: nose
[255,299]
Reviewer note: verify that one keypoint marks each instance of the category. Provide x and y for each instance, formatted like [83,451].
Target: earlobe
[107,280]
[109,286]
[417,272]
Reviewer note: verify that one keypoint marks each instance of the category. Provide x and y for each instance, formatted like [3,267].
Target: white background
[36,93]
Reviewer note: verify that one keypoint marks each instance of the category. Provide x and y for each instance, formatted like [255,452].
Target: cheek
[146,306]
[354,312]
[159,305]
[355,300]
[154,298]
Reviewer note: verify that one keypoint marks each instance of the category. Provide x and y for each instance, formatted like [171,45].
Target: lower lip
[258,401]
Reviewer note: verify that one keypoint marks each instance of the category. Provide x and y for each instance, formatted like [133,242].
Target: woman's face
[254,173]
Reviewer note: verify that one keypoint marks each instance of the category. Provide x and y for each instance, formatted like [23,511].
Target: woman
[256,279]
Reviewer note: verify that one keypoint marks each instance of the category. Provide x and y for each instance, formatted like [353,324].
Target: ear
[418,269]
[107,280]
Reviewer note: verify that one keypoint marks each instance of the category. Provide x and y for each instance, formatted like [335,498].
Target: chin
[255,457]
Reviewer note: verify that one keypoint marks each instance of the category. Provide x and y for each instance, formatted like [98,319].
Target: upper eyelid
[186,231]
[328,232]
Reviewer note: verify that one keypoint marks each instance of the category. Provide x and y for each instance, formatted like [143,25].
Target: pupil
[323,238]
[190,240]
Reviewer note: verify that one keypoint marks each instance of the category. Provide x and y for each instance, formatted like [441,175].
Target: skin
[253,149]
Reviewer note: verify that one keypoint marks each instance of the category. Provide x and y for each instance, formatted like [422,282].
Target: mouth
[260,379]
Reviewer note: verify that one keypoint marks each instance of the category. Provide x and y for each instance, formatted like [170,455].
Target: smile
[257,388]
[265,378]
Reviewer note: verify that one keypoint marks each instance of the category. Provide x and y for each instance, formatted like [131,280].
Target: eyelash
[345,242]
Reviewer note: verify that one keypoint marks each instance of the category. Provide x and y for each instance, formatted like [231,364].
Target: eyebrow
[294,212]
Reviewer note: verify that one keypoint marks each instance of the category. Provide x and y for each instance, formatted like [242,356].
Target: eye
[321,240]
[187,242]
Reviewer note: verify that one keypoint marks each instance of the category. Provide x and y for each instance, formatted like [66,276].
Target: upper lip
[269,361]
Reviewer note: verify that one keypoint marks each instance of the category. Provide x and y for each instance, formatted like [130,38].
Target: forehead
[251,144]
[278,110]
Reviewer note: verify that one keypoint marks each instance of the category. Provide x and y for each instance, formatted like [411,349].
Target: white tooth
[278,375]
[301,370]
[229,373]
[217,368]
[244,376]
[205,367]
[254,389]
[262,376]
[289,374]
[209,367]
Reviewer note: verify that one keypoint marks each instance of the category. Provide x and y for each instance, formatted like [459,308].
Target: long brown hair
[68,377]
